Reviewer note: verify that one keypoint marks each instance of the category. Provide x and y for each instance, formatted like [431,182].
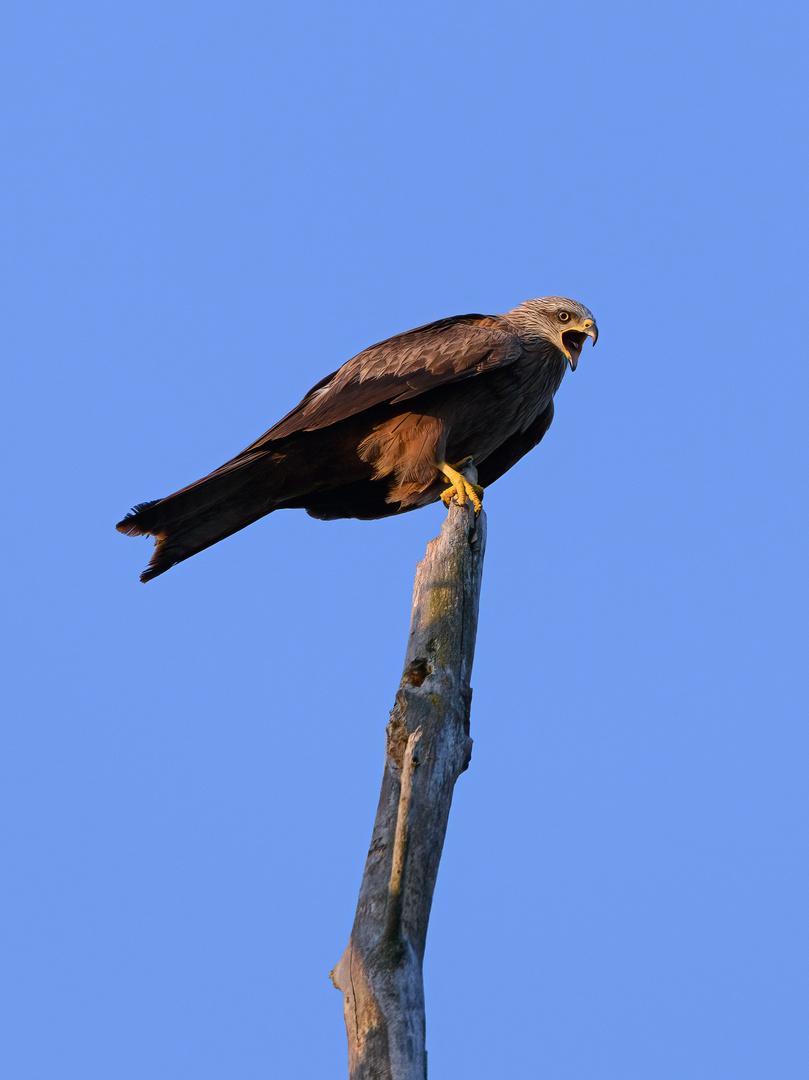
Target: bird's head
[564,322]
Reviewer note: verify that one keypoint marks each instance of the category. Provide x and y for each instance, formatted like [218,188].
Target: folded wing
[279,466]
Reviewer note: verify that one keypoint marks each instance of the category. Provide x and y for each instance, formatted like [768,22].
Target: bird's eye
[564,316]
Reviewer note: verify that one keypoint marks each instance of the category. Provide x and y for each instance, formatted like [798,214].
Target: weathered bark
[428,747]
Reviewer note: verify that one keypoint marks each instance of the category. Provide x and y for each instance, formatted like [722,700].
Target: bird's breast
[488,409]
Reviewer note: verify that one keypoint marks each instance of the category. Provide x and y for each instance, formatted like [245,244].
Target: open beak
[573,341]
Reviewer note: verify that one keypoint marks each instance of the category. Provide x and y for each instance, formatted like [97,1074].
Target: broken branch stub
[428,747]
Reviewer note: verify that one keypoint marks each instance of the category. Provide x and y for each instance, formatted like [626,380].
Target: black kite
[375,437]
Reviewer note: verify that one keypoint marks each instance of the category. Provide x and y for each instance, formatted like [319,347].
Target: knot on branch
[417,671]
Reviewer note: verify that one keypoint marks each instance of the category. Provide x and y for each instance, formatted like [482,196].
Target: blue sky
[207,207]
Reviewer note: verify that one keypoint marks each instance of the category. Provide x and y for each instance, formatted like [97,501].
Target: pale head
[564,322]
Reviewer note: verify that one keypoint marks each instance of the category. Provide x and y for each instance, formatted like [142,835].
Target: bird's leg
[460,487]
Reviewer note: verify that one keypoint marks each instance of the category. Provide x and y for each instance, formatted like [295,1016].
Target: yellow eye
[564,316]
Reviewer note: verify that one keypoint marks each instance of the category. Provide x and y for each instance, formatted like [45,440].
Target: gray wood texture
[428,747]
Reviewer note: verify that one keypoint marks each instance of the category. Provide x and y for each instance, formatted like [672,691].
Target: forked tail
[205,512]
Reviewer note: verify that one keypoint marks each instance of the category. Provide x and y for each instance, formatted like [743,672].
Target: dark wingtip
[134,525]
[164,557]
[152,572]
[130,525]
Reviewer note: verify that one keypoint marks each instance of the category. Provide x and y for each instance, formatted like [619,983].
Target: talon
[461,488]
[476,495]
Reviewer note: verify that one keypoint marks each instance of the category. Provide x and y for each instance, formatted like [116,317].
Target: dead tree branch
[428,747]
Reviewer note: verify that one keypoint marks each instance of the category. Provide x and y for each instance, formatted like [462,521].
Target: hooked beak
[573,340]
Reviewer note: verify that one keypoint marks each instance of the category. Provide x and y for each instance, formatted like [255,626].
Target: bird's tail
[205,512]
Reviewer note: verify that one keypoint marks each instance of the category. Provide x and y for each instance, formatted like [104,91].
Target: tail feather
[298,471]
[185,539]
[132,524]
[205,512]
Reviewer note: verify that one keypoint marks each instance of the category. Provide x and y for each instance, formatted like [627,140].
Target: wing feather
[401,368]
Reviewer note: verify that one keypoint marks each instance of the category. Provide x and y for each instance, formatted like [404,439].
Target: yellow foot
[460,488]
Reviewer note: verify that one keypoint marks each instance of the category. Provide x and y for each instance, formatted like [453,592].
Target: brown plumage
[374,438]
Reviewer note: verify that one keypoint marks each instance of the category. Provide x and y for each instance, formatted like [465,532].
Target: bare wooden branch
[428,747]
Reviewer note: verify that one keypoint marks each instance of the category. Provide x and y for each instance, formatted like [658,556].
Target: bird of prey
[389,430]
